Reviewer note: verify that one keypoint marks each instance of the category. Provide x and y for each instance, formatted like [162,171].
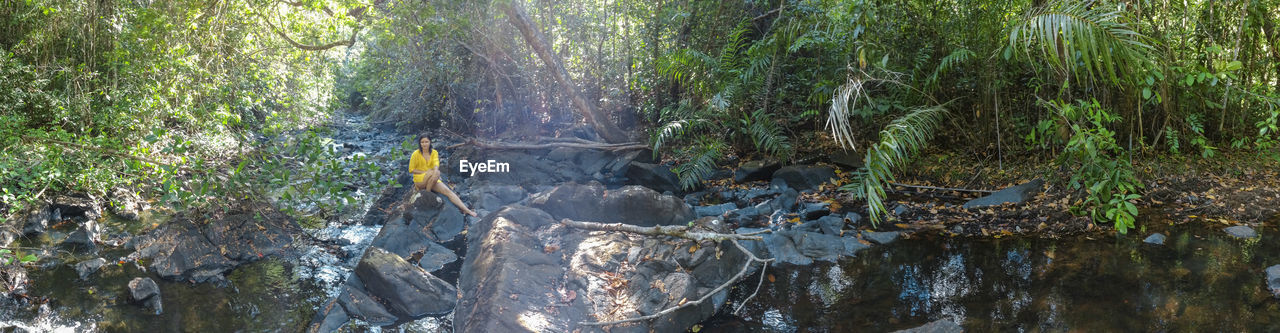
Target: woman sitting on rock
[426,174]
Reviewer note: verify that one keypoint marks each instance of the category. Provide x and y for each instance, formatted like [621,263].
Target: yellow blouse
[418,163]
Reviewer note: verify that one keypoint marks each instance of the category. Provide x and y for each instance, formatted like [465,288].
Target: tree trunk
[533,36]
[1270,28]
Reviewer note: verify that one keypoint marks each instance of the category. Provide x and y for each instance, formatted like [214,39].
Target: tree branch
[348,43]
[941,188]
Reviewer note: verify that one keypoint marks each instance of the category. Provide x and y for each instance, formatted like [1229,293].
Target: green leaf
[1146,93]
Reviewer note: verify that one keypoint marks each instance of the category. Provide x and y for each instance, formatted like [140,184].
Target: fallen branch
[941,188]
[681,232]
[521,145]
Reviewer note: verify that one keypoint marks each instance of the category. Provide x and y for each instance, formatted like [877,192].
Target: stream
[1201,279]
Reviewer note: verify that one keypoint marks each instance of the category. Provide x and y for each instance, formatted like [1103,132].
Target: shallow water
[1200,280]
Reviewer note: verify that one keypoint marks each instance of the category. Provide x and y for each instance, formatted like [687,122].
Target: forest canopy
[154,94]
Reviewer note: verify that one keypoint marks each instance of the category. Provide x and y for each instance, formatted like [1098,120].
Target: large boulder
[805,177]
[755,170]
[200,249]
[630,204]
[85,238]
[654,176]
[37,221]
[526,273]
[1015,194]
[406,289]
[80,206]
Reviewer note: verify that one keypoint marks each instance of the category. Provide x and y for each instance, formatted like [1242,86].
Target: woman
[426,173]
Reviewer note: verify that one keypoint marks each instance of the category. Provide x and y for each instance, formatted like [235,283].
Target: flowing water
[1201,280]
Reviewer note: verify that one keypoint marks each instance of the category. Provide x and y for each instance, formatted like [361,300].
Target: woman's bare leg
[441,188]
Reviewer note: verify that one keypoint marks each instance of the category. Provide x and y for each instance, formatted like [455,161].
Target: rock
[85,237]
[854,218]
[743,216]
[520,260]
[330,317]
[357,304]
[880,237]
[126,204]
[145,291]
[783,249]
[852,245]
[630,204]
[755,170]
[407,290]
[805,177]
[830,225]
[13,280]
[78,206]
[813,211]
[900,209]
[560,154]
[88,267]
[1016,194]
[435,257]
[847,159]
[1273,280]
[716,210]
[654,176]
[201,249]
[1154,239]
[783,202]
[7,237]
[37,221]
[818,246]
[1241,231]
[938,326]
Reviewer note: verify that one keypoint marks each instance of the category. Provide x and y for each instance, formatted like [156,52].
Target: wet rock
[37,221]
[654,176]
[813,211]
[852,245]
[755,170]
[85,237]
[818,246]
[435,257]
[716,210]
[805,177]
[357,304]
[938,326]
[880,237]
[145,291]
[1155,239]
[88,267]
[200,250]
[78,206]
[783,249]
[1273,280]
[329,318]
[405,289]
[1015,194]
[1241,231]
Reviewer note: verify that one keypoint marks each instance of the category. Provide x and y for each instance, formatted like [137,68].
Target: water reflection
[1202,280]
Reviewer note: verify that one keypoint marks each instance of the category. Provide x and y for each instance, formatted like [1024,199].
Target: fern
[766,135]
[899,142]
[701,164]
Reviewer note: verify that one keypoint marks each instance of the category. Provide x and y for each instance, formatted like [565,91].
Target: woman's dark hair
[419,142]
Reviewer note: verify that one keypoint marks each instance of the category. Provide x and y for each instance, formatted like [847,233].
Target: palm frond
[844,100]
[957,57]
[700,164]
[899,142]
[768,136]
[1082,38]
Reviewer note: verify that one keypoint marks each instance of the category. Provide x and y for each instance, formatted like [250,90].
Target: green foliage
[1098,165]
[1089,40]
[9,257]
[899,142]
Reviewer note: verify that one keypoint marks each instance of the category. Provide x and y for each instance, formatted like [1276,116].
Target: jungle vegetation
[181,99]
